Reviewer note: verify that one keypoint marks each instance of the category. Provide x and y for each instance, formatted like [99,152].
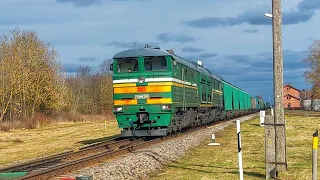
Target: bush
[39,120]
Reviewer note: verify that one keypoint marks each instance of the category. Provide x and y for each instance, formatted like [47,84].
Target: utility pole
[279,122]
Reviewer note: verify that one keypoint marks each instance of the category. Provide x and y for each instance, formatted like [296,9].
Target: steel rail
[86,161]
[72,154]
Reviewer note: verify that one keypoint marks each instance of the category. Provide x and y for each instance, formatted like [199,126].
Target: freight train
[157,93]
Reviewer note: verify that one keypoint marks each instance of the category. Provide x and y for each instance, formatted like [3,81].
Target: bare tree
[91,92]
[312,75]
[106,87]
[31,76]
[32,80]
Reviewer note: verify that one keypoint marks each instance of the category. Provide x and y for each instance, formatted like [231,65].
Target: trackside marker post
[314,155]
[262,115]
[239,150]
[213,137]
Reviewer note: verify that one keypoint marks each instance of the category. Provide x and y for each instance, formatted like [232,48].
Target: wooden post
[280,143]
[270,147]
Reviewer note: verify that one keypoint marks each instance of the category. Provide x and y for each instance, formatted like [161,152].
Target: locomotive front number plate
[142,96]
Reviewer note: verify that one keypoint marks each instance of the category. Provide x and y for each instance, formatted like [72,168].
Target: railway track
[52,166]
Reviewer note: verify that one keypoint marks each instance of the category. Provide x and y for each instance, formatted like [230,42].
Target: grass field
[221,162]
[20,145]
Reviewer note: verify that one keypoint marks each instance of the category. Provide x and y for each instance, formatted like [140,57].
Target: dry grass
[37,121]
[18,145]
[221,162]
[41,120]
[302,113]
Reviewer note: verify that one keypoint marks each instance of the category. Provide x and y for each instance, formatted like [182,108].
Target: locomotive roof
[140,52]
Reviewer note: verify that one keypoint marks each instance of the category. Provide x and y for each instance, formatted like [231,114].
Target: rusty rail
[69,155]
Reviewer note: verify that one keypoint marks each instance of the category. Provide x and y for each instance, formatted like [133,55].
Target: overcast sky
[232,37]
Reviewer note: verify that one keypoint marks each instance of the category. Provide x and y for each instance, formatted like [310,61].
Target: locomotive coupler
[143,118]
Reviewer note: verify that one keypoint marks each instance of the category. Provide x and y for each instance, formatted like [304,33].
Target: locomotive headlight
[166,107]
[118,109]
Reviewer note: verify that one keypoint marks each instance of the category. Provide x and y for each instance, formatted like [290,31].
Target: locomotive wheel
[169,130]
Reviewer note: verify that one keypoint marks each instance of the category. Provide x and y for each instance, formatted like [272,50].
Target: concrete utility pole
[279,122]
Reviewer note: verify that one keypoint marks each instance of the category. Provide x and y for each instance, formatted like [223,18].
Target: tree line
[33,80]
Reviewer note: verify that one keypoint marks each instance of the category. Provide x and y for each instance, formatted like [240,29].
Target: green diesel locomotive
[157,93]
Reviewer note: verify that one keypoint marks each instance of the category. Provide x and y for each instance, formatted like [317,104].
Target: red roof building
[291,97]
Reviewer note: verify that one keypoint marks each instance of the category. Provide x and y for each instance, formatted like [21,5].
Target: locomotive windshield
[151,63]
[127,65]
[155,63]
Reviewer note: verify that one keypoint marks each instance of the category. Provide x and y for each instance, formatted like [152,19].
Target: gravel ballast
[139,164]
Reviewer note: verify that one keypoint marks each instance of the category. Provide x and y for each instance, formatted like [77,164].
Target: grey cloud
[128,45]
[71,68]
[88,59]
[260,76]
[304,12]
[253,73]
[253,31]
[309,5]
[207,55]
[291,60]
[191,49]
[252,16]
[207,22]
[238,66]
[120,44]
[170,37]
[296,17]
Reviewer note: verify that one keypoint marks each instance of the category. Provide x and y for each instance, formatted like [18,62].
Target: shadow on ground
[227,169]
[253,174]
[255,124]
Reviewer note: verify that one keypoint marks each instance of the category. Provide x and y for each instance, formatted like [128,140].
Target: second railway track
[48,167]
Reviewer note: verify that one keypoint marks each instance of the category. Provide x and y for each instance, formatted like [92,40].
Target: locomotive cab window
[155,63]
[127,65]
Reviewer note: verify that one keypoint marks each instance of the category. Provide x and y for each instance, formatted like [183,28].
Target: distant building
[296,99]
[291,97]
[309,102]
[305,94]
